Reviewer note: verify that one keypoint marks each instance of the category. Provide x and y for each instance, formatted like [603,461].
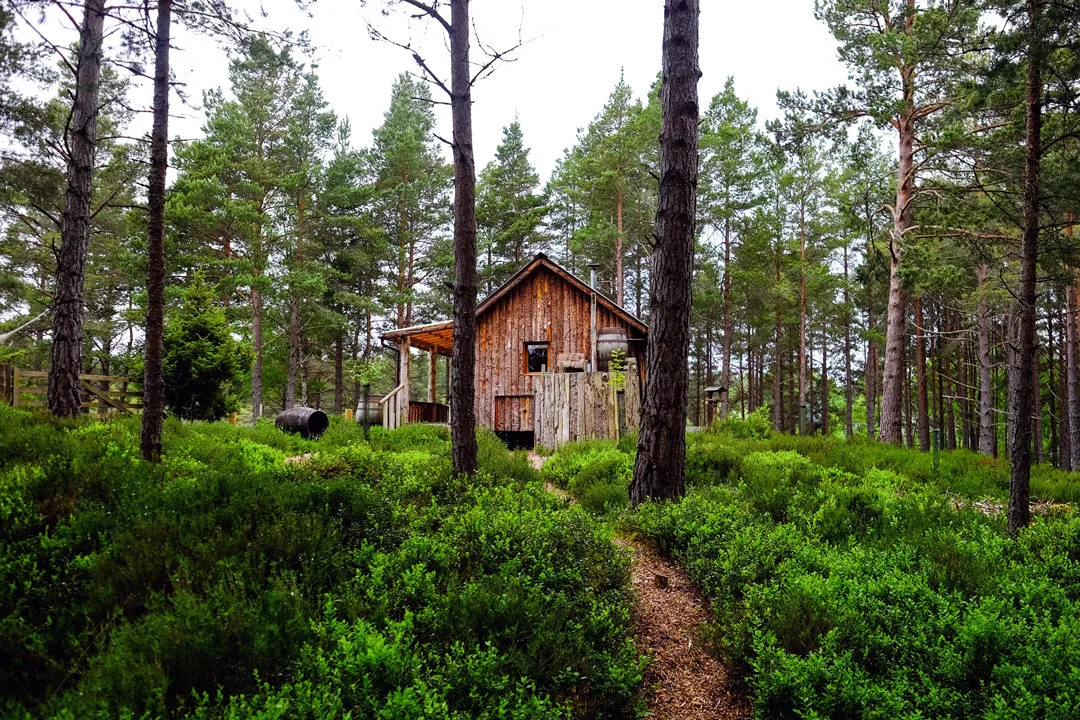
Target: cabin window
[536,357]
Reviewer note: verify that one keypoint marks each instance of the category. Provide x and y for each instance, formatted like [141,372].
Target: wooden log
[308,422]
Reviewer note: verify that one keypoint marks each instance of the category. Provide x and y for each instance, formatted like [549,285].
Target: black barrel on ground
[309,422]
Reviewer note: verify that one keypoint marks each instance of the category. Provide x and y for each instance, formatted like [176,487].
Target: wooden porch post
[403,377]
[433,374]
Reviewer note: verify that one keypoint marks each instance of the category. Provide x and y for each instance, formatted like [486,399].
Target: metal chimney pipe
[592,318]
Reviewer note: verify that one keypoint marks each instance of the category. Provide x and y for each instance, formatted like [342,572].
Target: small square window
[536,357]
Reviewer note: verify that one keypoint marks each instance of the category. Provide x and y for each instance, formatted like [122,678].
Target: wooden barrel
[309,422]
[367,407]
[608,341]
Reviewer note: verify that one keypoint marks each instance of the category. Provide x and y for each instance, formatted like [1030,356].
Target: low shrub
[368,579]
[598,473]
[847,583]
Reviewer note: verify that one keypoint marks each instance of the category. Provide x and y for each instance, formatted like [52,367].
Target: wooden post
[348,414]
[5,383]
[14,386]
[433,374]
[404,362]
[232,419]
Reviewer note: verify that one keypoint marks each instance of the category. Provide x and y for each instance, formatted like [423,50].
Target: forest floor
[683,680]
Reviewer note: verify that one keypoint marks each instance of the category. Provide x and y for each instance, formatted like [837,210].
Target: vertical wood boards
[543,307]
[579,406]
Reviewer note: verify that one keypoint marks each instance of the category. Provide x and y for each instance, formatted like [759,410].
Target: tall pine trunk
[1072,393]
[154,373]
[67,347]
[1020,404]
[463,360]
[824,383]
[725,369]
[986,390]
[893,381]
[257,346]
[849,383]
[802,409]
[339,373]
[920,379]
[619,249]
[660,465]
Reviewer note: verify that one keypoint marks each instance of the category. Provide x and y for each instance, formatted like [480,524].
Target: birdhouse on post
[713,395]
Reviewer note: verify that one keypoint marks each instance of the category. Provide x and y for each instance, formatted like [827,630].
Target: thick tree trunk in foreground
[660,466]
[154,372]
[463,360]
[63,394]
[1020,404]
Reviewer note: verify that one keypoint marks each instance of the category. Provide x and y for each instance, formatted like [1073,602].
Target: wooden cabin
[544,347]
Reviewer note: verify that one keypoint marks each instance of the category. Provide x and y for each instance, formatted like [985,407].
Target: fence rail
[100,393]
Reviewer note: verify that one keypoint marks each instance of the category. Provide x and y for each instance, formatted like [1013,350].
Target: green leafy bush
[367,580]
[848,582]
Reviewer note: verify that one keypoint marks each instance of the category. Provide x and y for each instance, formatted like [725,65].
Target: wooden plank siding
[542,307]
[575,406]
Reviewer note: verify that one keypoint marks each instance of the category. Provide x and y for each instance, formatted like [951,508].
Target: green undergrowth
[366,582]
[850,580]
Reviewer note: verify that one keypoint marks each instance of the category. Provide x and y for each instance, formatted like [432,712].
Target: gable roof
[438,337]
[543,261]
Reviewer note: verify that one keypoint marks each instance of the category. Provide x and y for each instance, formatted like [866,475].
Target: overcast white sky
[572,56]
[570,61]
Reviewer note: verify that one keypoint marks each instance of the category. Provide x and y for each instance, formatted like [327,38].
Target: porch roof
[434,337]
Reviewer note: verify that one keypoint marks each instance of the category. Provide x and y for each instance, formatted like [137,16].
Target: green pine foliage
[366,582]
[204,364]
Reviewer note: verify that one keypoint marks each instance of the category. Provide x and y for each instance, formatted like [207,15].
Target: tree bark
[920,378]
[778,365]
[725,370]
[824,383]
[1051,399]
[986,390]
[463,360]
[849,384]
[1072,348]
[339,373]
[1019,512]
[154,372]
[660,465]
[257,346]
[802,409]
[67,347]
[1066,365]
[619,244]
[893,382]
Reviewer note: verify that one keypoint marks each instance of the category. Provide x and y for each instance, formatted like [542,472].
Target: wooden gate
[579,406]
[103,393]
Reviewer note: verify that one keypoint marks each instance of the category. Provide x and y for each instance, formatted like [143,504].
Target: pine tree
[509,211]
[412,182]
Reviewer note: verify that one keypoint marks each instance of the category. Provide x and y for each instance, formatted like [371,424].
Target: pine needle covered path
[684,681]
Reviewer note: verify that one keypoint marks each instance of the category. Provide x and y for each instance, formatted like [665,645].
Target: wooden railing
[428,412]
[395,407]
[103,393]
